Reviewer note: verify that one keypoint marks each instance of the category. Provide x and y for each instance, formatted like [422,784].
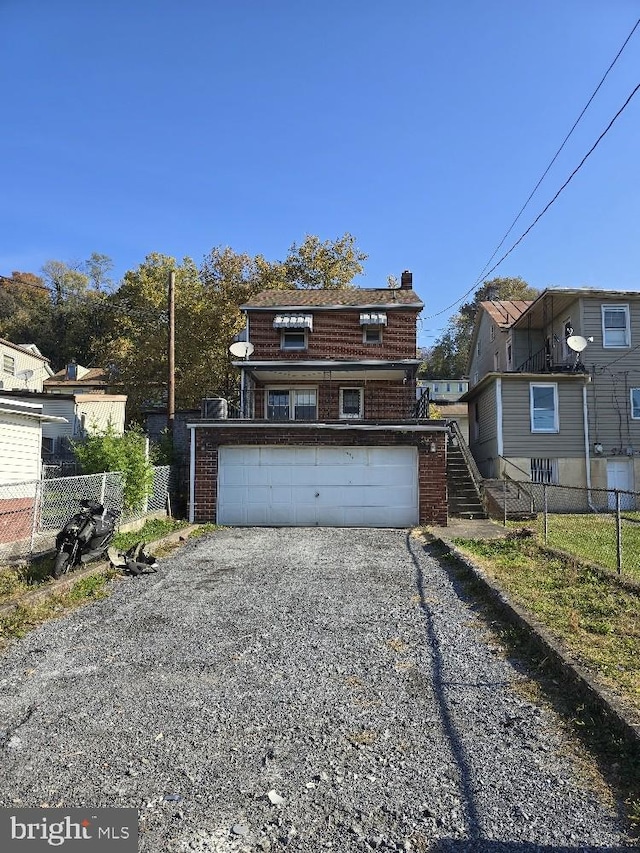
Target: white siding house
[20,465]
[22,367]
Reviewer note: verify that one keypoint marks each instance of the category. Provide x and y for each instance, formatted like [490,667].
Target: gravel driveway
[302,688]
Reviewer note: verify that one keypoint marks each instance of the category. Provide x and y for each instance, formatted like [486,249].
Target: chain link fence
[32,513]
[600,526]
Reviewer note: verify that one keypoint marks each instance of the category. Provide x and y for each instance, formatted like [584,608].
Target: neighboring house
[444,390]
[22,367]
[21,424]
[327,430]
[72,416]
[541,410]
[76,379]
[445,394]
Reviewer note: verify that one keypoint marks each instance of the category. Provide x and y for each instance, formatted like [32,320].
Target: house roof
[504,312]
[348,297]
[93,376]
[25,348]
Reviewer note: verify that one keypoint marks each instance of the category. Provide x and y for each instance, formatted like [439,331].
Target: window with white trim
[616,330]
[351,403]
[293,340]
[635,403]
[9,365]
[292,404]
[543,403]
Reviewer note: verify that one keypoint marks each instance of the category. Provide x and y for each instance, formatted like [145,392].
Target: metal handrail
[476,476]
[520,486]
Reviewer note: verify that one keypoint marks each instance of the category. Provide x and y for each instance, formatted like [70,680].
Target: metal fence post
[504,501]
[36,515]
[545,503]
[618,533]
[103,488]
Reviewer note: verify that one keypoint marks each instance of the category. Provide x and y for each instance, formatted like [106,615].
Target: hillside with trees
[74,310]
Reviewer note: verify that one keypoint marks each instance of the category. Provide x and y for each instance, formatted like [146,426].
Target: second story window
[293,330]
[9,365]
[372,335]
[293,340]
[615,326]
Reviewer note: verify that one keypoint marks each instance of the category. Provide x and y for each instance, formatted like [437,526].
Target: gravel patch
[307,689]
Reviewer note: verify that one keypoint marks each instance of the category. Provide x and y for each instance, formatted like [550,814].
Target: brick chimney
[406,280]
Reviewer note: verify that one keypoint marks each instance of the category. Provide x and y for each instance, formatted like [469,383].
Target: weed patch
[154,528]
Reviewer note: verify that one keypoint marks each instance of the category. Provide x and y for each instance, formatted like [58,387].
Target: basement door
[620,476]
[318,486]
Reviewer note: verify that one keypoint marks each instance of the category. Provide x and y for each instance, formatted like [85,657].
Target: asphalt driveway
[306,689]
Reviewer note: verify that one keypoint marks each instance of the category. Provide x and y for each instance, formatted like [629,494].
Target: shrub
[107,451]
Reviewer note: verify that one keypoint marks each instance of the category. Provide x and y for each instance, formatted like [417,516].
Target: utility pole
[171,383]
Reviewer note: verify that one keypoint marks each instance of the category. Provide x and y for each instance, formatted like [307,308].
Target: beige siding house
[559,400]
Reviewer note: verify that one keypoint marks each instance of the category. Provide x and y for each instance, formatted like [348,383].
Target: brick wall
[432,480]
[336,334]
[383,399]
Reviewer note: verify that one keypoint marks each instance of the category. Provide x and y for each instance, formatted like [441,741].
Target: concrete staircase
[465,500]
[519,503]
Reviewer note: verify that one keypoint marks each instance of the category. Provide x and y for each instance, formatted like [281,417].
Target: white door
[324,486]
[620,476]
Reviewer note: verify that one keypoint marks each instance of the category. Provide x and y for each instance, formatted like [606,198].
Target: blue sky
[419,126]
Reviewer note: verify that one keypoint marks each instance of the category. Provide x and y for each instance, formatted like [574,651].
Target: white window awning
[377,319]
[293,321]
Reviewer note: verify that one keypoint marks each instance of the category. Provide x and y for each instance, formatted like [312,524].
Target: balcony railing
[321,405]
[542,362]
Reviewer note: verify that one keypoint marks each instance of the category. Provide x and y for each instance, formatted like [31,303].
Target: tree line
[76,311]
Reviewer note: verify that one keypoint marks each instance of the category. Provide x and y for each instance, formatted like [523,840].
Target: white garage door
[325,486]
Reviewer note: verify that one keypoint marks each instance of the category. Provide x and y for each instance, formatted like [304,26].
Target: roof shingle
[351,297]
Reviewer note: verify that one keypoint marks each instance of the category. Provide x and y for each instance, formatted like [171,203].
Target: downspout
[192,476]
[499,436]
[587,455]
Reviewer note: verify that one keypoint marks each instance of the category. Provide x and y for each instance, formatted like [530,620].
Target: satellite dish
[241,349]
[25,374]
[577,343]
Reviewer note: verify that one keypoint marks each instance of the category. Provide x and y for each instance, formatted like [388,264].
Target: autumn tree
[137,334]
[448,358]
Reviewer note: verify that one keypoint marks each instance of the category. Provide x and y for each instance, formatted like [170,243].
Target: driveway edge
[67,581]
[592,692]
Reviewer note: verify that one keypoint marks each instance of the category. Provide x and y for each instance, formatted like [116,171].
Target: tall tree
[331,264]
[448,358]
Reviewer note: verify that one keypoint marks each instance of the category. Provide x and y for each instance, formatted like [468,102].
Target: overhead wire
[545,209]
[486,273]
[557,154]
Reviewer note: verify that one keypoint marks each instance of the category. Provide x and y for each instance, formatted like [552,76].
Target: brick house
[326,429]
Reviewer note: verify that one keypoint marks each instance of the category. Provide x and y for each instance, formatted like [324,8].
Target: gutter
[289,425]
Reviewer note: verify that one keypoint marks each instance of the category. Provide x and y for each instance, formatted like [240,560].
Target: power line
[555,156]
[545,209]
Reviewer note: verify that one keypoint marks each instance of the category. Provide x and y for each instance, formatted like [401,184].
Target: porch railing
[325,404]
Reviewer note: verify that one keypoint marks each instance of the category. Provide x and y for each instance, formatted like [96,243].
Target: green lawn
[592,537]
